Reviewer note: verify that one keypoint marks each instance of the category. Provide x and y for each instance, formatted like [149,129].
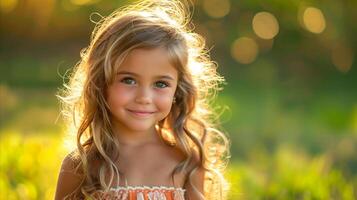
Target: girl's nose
[143,96]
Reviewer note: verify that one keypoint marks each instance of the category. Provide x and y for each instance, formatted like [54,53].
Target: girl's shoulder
[70,163]
[69,178]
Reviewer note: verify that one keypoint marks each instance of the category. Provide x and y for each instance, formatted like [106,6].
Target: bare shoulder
[68,179]
[197,179]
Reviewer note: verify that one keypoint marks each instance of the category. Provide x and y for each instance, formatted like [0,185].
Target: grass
[282,148]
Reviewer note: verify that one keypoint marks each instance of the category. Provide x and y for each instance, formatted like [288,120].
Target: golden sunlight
[216,8]
[314,20]
[7,6]
[244,50]
[84,2]
[265,25]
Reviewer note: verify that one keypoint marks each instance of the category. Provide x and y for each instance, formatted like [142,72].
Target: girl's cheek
[120,94]
[120,89]
[164,99]
[166,96]
[125,92]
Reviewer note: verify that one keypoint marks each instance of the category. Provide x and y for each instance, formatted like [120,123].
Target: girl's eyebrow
[137,75]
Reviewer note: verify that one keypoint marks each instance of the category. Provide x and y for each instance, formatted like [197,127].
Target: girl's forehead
[146,62]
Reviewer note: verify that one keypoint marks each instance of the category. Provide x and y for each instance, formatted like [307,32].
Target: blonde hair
[190,123]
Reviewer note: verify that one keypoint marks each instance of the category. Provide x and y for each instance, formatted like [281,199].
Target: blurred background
[289,105]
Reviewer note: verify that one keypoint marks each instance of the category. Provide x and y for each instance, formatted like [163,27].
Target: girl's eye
[161,84]
[128,81]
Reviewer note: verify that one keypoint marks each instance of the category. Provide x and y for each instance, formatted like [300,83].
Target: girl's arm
[68,180]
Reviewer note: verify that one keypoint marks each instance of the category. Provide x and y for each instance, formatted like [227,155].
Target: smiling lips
[141,113]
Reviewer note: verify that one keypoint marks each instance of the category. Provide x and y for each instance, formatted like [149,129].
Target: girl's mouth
[141,113]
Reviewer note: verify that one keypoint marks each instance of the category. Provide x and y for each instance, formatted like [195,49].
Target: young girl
[139,104]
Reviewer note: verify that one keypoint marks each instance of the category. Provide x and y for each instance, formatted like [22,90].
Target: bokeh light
[289,105]
[7,6]
[265,25]
[314,20]
[84,2]
[342,57]
[216,8]
[244,50]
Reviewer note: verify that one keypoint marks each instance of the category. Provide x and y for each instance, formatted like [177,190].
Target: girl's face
[143,90]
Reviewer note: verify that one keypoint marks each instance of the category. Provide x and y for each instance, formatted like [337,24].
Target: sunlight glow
[265,25]
[244,50]
[6,6]
[84,2]
[217,8]
[314,20]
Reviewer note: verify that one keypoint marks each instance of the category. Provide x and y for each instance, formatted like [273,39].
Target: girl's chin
[135,125]
[138,127]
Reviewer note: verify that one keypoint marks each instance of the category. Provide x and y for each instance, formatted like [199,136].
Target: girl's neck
[136,138]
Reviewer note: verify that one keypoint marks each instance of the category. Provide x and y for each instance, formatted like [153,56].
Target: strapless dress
[141,193]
